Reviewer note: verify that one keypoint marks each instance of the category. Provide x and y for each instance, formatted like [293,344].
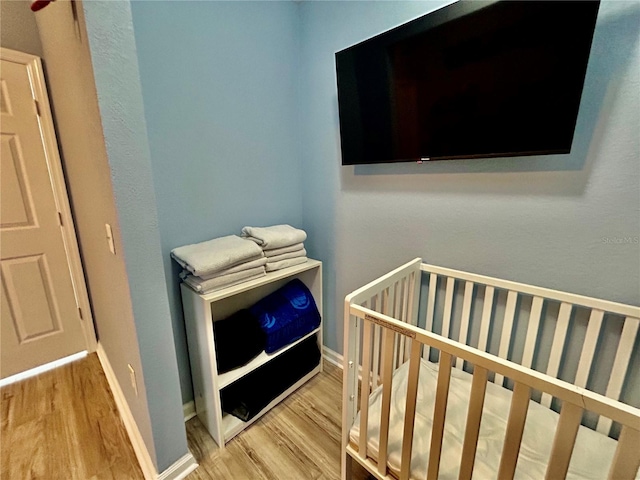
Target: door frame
[60,194]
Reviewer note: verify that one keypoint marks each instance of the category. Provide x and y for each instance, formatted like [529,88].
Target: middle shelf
[228,378]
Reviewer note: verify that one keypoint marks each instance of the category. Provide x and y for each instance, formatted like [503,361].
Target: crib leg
[347,466]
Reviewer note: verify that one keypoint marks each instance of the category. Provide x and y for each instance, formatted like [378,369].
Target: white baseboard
[337,359]
[180,469]
[189,410]
[139,447]
[18,377]
[332,357]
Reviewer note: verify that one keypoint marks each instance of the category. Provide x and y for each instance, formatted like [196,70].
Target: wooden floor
[64,424]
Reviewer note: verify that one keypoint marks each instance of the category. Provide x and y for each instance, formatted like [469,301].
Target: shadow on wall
[610,52]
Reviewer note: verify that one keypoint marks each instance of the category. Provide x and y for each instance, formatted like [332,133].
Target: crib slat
[620,367]
[396,348]
[507,327]
[384,305]
[439,412]
[557,347]
[532,331]
[627,457]
[410,410]
[387,363]
[365,389]
[486,318]
[376,355]
[402,316]
[414,303]
[391,311]
[448,306]
[402,354]
[474,416]
[431,306]
[515,427]
[464,321]
[589,348]
[564,441]
[375,370]
[414,296]
[407,349]
[391,306]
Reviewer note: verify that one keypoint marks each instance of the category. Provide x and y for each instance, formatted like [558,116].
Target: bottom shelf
[231,426]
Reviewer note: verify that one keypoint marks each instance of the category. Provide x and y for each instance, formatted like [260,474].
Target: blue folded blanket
[286,315]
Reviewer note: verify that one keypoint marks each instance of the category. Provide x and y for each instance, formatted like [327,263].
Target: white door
[40,317]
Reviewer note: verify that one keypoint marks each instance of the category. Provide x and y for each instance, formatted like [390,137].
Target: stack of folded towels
[220,262]
[282,245]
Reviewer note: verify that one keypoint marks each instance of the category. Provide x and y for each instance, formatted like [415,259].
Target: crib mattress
[592,455]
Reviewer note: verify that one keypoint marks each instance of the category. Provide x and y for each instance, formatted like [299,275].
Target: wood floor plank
[319,451]
[61,451]
[28,461]
[274,449]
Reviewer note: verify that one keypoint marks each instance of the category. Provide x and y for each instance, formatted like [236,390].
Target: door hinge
[60,219]
[80,312]
[37,104]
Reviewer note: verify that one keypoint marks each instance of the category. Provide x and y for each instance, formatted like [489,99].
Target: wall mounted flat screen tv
[474,79]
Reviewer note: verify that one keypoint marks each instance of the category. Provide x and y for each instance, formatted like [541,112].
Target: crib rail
[575,400]
[473,322]
[539,297]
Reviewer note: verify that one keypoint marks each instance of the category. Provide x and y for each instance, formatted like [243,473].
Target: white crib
[526,351]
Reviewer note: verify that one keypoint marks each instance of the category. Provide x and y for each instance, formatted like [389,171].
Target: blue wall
[115,68]
[219,82]
[551,221]
[241,107]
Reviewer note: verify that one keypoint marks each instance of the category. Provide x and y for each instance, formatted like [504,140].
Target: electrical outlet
[132,376]
[112,245]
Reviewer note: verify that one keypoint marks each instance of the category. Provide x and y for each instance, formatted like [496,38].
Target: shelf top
[243,287]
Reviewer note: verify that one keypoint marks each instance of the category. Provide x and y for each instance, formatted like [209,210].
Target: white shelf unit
[201,310]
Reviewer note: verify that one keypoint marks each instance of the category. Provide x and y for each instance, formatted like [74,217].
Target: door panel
[32,305]
[40,318]
[16,204]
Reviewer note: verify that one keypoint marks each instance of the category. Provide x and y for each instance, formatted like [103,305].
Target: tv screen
[470,80]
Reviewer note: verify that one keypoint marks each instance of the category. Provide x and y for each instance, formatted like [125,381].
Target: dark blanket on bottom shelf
[239,339]
[286,315]
[249,395]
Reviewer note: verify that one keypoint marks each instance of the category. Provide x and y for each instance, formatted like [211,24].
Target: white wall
[554,221]
[18,29]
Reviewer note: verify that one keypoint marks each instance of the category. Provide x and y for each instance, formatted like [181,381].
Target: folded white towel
[238,268]
[279,251]
[278,258]
[215,255]
[206,286]
[290,262]
[276,236]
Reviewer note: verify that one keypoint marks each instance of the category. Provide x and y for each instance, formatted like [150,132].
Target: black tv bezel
[428,21]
